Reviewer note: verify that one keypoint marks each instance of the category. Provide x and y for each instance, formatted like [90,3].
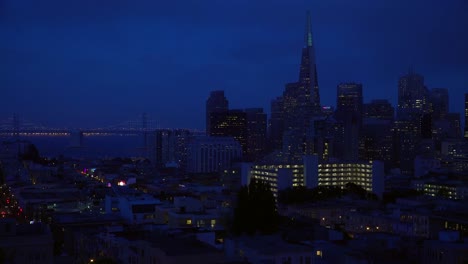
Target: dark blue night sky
[85,63]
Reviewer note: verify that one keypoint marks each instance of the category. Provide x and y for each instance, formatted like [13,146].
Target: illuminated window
[189,221]
[319,253]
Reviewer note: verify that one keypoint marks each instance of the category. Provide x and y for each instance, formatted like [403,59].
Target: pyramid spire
[308,32]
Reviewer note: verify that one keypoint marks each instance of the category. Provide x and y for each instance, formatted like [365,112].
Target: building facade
[466,116]
[212,154]
[379,109]
[230,123]
[309,173]
[349,113]
[412,94]
[217,102]
[301,100]
[256,136]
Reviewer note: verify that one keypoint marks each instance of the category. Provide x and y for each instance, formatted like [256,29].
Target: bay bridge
[14,127]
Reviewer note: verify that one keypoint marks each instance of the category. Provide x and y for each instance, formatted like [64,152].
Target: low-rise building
[133,206]
[269,249]
[442,187]
[131,247]
[447,249]
[190,212]
[25,243]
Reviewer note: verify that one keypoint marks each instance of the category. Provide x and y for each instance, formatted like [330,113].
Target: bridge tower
[16,126]
[144,121]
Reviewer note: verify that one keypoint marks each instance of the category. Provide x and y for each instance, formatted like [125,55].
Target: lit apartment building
[449,189]
[309,173]
[368,175]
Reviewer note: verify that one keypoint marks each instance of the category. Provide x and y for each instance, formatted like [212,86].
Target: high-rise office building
[171,148]
[376,141]
[447,128]
[256,133]
[413,129]
[301,100]
[376,137]
[455,127]
[349,112]
[379,109]
[304,94]
[231,123]
[276,124]
[217,102]
[412,95]
[466,116]
[212,154]
[349,100]
[325,134]
[440,102]
[426,125]
[406,136]
[308,80]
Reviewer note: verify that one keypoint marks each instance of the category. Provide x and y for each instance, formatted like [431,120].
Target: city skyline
[96,64]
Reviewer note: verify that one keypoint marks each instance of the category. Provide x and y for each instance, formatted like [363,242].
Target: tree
[354,189]
[256,210]
[31,153]
[390,197]
[295,195]
[241,221]
[301,194]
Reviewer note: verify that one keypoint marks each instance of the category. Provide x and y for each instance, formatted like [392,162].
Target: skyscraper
[466,116]
[349,100]
[276,124]
[406,136]
[171,147]
[247,126]
[376,137]
[256,133]
[349,112]
[308,80]
[412,130]
[412,95]
[231,123]
[217,102]
[301,99]
[440,102]
[379,109]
